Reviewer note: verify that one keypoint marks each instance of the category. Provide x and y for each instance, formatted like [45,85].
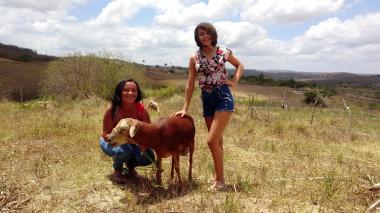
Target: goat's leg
[159,170]
[172,170]
[191,149]
[373,206]
[176,166]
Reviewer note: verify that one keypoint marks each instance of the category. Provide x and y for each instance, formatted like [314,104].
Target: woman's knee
[106,148]
[212,143]
[112,151]
[147,158]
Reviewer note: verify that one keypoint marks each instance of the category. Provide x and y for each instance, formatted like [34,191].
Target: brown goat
[172,136]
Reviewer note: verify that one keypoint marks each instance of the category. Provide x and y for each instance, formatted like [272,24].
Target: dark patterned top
[212,72]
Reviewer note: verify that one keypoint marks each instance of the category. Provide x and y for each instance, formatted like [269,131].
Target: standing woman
[218,104]
[126,103]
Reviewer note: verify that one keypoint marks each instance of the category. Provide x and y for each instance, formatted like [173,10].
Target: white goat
[284,106]
[153,105]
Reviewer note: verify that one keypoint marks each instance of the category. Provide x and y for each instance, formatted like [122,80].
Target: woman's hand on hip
[231,84]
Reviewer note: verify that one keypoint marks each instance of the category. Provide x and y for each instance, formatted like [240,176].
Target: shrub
[24,58]
[374,106]
[377,95]
[314,98]
[79,76]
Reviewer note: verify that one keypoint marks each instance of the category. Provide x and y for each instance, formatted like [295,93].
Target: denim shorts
[218,99]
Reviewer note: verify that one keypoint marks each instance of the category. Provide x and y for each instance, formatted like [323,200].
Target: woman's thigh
[218,125]
[115,150]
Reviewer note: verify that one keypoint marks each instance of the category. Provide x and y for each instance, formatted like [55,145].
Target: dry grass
[275,161]
[16,76]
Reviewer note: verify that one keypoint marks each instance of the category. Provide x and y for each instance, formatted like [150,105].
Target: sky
[298,35]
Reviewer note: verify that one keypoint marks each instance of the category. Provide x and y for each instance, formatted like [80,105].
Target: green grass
[162,92]
[275,161]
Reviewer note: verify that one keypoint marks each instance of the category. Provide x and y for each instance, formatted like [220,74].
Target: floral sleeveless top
[212,72]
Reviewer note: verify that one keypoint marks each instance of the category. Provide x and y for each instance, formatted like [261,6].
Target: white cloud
[331,45]
[41,5]
[336,45]
[335,35]
[239,34]
[287,11]
[119,11]
[191,14]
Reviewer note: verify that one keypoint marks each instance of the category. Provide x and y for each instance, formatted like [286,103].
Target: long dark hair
[117,95]
[209,28]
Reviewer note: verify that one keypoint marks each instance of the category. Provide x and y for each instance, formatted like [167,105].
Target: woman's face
[129,93]
[205,37]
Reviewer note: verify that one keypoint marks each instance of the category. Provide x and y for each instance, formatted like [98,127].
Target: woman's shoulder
[224,48]
[108,109]
[195,54]
[140,107]
[142,112]
[193,57]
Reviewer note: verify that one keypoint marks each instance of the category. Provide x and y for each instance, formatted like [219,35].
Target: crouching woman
[126,103]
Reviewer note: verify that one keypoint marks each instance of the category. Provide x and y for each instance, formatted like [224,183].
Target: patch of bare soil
[290,95]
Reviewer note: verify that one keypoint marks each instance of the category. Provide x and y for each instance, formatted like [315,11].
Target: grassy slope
[14,75]
[275,161]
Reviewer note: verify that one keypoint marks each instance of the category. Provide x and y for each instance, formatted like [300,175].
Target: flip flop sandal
[217,188]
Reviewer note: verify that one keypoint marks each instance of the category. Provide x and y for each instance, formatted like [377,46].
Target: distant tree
[24,58]
[314,98]
[261,78]
[292,83]
[377,95]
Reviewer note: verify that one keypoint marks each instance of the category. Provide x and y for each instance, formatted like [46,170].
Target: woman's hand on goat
[105,136]
[179,113]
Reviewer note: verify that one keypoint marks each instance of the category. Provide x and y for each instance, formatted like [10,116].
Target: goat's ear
[132,127]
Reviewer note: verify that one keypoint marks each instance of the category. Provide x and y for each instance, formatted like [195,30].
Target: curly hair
[117,95]
[210,29]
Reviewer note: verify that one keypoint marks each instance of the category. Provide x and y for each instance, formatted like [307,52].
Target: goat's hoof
[158,182]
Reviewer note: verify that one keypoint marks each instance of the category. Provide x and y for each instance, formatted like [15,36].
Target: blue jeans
[217,99]
[127,153]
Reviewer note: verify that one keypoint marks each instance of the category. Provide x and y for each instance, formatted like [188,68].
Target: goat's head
[123,132]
